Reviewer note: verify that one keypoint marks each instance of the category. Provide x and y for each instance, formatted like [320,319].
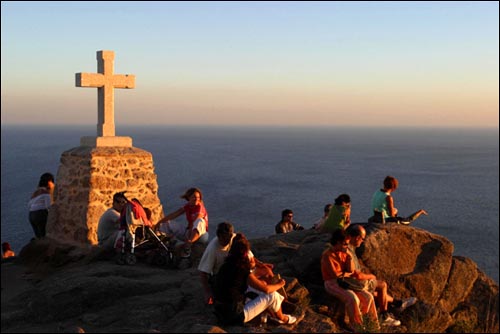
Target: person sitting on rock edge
[336,262]
[326,210]
[383,205]
[339,216]
[377,287]
[286,224]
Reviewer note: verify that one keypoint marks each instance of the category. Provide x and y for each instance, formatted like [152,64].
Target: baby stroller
[137,238]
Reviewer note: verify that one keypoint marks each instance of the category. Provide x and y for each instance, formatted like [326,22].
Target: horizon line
[297,126]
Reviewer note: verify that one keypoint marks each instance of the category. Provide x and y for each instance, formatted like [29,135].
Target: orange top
[333,264]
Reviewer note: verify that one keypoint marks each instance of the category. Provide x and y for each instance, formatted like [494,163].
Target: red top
[193,211]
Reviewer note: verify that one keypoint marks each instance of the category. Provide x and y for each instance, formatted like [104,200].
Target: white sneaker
[390,321]
[291,320]
[407,303]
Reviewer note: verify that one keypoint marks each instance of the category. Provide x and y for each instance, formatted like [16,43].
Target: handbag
[351,283]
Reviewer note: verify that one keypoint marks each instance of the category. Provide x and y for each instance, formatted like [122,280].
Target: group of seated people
[195,229]
[338,215]
[241,287]
[340,260]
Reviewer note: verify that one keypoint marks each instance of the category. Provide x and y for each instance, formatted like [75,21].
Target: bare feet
[417,214]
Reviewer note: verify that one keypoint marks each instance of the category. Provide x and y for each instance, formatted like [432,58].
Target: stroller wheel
[120,259]
[130,259]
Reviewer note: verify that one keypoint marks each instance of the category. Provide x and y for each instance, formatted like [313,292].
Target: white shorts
[179,230]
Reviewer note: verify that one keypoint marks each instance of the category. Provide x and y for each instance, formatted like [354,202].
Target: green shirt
[336,219]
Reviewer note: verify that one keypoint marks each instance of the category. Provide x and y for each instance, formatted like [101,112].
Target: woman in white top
[39,204]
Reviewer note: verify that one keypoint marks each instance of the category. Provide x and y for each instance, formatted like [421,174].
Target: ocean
[248,175]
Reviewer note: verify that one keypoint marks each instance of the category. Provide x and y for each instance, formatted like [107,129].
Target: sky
[376,64]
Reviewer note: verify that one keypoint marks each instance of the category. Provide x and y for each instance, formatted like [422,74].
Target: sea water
[248,175]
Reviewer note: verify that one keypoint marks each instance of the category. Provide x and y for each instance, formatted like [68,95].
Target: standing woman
[39,204]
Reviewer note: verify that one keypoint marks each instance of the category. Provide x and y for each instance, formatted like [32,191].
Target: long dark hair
[238,253]
[45,179]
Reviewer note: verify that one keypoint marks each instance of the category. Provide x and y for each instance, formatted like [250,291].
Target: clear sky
[256,63]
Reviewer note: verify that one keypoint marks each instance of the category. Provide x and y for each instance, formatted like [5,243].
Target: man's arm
[209,298]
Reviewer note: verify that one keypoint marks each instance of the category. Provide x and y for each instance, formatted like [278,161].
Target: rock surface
[72,288]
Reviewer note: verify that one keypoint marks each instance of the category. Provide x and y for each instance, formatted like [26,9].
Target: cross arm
[89,80]
[124,81]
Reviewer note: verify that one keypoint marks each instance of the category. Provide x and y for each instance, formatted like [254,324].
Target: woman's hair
[190,192]
[45,179]
[238,253]
[344,198]
[390,182]
[338,236]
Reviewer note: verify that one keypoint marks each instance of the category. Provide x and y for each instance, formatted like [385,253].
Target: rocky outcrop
[80,289]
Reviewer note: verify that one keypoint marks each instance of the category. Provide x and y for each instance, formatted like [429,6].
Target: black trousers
[38,220]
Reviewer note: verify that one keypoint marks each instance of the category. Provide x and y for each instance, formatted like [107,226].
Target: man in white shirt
[215,254]
[109,223]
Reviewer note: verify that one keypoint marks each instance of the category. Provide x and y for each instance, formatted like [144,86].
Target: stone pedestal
[86,181]
[106,141]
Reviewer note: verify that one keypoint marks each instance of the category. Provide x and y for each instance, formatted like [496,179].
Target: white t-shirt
[178,229]
[40,202]
[215,255]
[108,225]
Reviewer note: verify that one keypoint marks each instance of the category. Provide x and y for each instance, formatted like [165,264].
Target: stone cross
[106,82]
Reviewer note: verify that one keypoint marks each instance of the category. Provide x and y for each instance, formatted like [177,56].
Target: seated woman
[336,262]
[383,205]
[196,228]
[236,275]
[339,216]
